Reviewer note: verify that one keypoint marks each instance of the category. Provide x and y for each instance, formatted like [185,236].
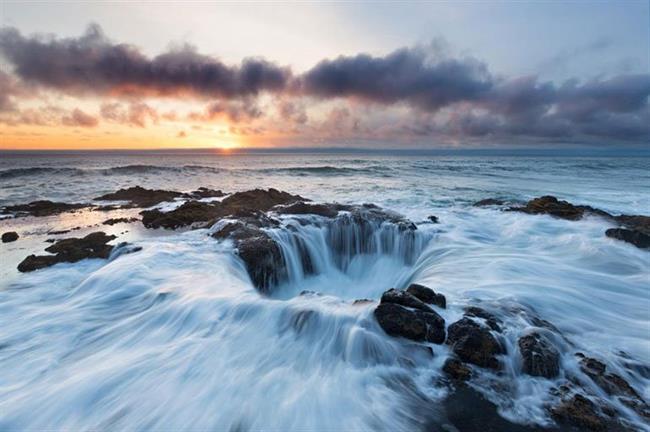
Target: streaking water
[175,336]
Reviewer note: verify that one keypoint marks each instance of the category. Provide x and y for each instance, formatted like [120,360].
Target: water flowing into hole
[350,257]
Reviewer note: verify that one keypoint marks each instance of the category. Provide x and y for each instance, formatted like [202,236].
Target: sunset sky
[385,75]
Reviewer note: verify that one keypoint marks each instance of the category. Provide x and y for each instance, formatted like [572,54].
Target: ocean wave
[12,173]
[326,170]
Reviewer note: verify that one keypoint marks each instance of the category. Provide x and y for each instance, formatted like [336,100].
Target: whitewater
[176,337]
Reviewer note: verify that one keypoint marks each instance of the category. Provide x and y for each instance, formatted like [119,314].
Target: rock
[187,214]
[364,301]
[325,210]
[259,252]
[41,208]
[404,298]
[414,324]
[70,250]
[456,370]
[540,357]
[433,219]
[140,197]
[490,320]
[473,343]
[637,238]
[113,221]
[580,412]
[551,206]
[10,236]
[427,295]
[611,383]
[204,192]
[635,222]
[247,204]
[488,202]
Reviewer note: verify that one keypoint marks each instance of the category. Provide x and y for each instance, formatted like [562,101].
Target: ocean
[176,337]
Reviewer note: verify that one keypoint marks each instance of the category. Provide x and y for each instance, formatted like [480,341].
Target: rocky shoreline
[475,341]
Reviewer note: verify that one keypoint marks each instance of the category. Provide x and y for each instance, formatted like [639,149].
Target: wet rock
[204,192]
[70,250]
[113,221]
[637,238]
[434,219]
[635,222]
[427,295]
[578,411]
[457,370]
[473,343]
[359,302]
[141,197]
[540,357]
[300,208]
[10,236]
[187,214]
[468,411]
[488,202]
[552,206]
[41,208]
[404,298]
[477,312]
[241,205]
[414,324]
[259,252]
[611,383]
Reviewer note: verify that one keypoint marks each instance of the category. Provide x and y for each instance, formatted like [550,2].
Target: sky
[101,75]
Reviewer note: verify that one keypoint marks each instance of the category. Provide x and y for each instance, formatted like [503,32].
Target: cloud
[92,64]
[79,118]
[423,91]
[408,75]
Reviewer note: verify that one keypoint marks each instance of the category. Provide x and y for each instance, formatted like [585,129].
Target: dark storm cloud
[406,75]
[459,95]
[92,64]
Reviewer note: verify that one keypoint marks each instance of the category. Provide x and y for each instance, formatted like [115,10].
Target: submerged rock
[473,343]
[113,221]
[611,383]
[427,295]
[10,236]
[141,197]
[637,238]
[41,208]
[540,357]
[477,312]
[457,370]
[578,411]
[70,250]
[488,202]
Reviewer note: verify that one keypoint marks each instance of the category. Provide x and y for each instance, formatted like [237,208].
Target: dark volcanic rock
[404,298]
[113,221]
[41,208]
[552,206]
[637,238]
[490,320]
[583,413]
[612,383]
[540,358]
[141,197]
[434,219]
[204,192]
[413,324]
[474,344]
[187,214]
[241,205]
[325,210]
[488,202]
[70,250]
[10,236]
[635,222]
[427,295]
[259,252]
[457,370]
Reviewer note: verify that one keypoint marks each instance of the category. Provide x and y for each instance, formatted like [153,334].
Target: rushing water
[176,337]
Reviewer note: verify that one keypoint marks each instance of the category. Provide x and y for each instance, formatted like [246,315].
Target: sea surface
[175,337]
